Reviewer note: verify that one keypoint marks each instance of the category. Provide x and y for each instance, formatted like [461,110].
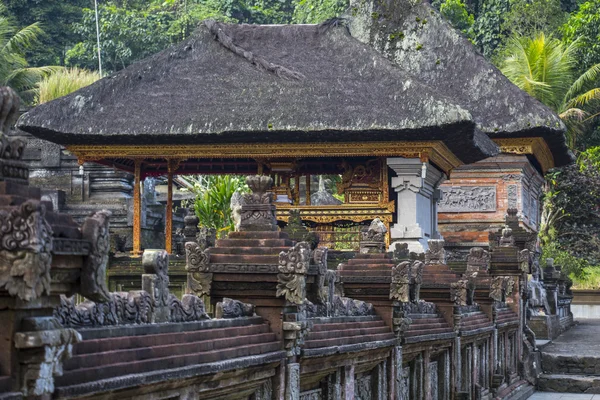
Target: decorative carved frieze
[293,266]
[513,197]
[95,230]
[76,247]
[477,260]
[407,277]
[25,251]
[525,260]
[468,199]
[501,288]
[199,280]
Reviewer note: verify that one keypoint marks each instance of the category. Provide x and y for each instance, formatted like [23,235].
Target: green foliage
[57,17]
[487,29]
[213,198]
[126,35]
[574,266]
[316,11]
[14,70]
[64,82]
[456,12]
[584,27]
[544,67]
[526,18]
[587,278]
[571,211]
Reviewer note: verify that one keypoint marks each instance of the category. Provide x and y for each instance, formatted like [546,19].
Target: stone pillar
[292,386]
[349,382]
[416,184]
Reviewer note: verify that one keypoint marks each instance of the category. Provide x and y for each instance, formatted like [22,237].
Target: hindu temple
[422,279]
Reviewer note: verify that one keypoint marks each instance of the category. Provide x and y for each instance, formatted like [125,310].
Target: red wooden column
[137,209]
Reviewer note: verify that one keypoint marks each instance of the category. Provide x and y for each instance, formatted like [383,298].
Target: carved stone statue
[399,288]
[459,292]
[199,279]
[400,252]
[507,239]
[293,266]
[477,260]
[237,200]
[95,230]
[436,253]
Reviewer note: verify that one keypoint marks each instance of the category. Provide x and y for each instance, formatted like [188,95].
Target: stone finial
[399,288]
[459,292]
[297,231]
[436,253]
[257,212]
[400,252]
[155,281]
[95,230]
[512,218]
[373,238]
[190,228]
[507,239]
[199,279]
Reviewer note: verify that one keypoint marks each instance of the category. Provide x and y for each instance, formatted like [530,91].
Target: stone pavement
[563,396]
[571,363]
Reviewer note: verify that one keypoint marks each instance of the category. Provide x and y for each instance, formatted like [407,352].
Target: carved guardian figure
[293,266]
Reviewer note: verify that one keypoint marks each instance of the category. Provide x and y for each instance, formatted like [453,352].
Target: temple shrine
[439,161]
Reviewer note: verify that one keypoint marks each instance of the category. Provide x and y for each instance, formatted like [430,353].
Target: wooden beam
[169,210]
[137,209]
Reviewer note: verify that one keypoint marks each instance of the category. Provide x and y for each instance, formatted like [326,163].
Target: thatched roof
[260,84]
[416,38]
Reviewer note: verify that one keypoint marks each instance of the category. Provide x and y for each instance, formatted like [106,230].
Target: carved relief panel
[468,199]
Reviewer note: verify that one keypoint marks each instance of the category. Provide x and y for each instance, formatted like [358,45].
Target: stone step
[415,330]
[146,353]
[564,383]
[373,256]
[340,341]
[258,235]
[346,325]
[89,346]
[255,243]
[155,364]
[570,364]
[347,332]
[363,261]
[372,272]
[244,259]
[248,250]
[367,267]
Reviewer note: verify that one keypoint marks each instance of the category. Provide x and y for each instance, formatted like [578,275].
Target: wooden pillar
[307,190]
[137,209]
[297,190]
[169,210]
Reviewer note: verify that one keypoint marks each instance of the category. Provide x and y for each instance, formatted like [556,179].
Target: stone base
[545,326]
[414,245]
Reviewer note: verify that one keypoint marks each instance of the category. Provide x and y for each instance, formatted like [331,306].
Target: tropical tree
[213,199]
[64,82]
[545,68]
[14,70]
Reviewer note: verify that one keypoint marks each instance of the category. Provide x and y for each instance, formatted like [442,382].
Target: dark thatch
[416,38]
[249,83]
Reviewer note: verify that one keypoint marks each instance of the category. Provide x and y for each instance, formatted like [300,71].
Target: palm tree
[14,70]
[545,68]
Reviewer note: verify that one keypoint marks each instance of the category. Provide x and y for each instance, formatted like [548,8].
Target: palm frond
[23,39]
[589,76]
[584,98]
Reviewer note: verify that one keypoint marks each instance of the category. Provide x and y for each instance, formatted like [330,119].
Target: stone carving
[297,231]
[236,203]
[155,281]
[324,196]
[501,287]
[206,237]
[525,200]
[406,281]
[511,177]
[512,194]
[478,259]
[418,307]
[525,260]
[468,199]
[399,288]
[190,227]
[318,293]
[373,238]
[47,345]
[507,239]
[436,253]
[362,388]
[293,266]
[311,395]
[123,308]
[190,308]
[25,251]
[229,308]
[265,392]
[257,210]
[95,230]
[9,109]
[347,307]
[199,280]
[459,292]
[533,218]
[400,252]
